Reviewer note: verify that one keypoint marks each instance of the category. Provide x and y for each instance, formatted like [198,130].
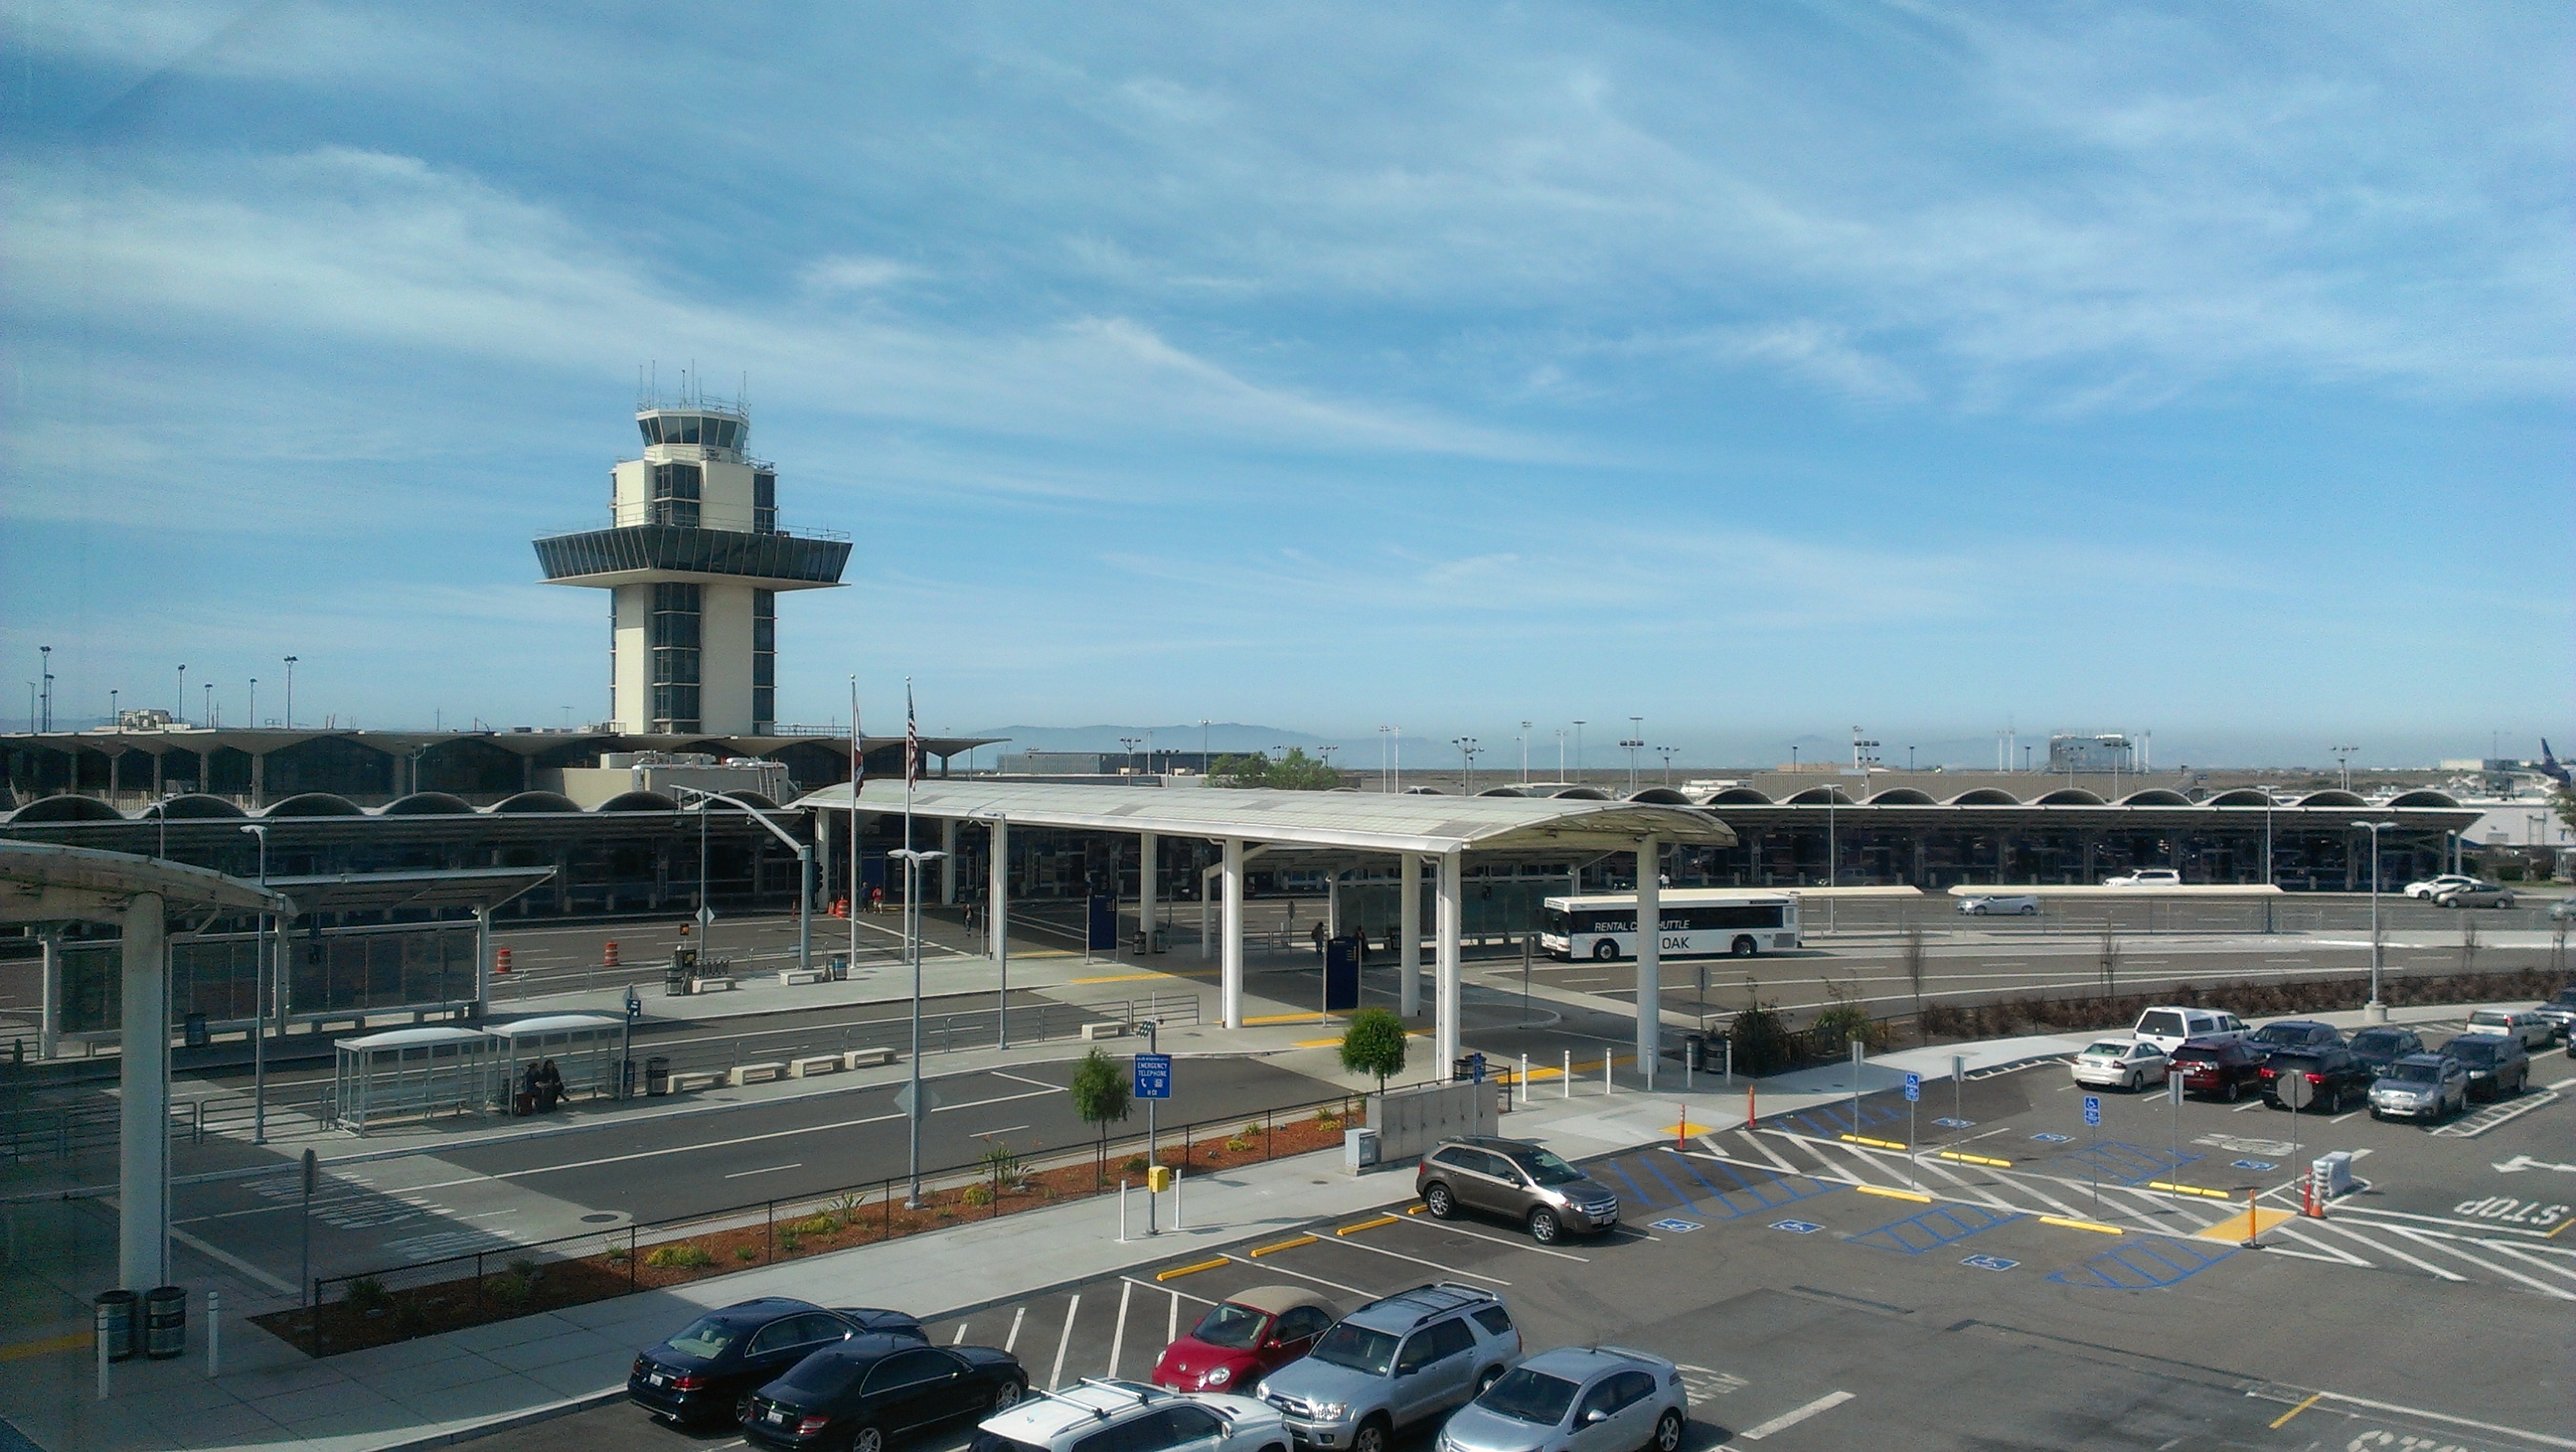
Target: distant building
[2080,754]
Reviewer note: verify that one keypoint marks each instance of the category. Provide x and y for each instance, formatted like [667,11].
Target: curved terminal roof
[1382,823]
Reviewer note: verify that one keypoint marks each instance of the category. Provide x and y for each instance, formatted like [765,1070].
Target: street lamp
[290,693]
[1525,727]
[183,695]
[1636,739]
[1578,748]
[2343,763]
[2374,1011]
[1666,752]
[45,668]
[1560,753]
[1467,760]
[1130,743]
[253,723]
[259,1008]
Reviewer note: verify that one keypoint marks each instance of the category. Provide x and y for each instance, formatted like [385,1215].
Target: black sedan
[2384,1045]
[869,1390]
[707,1373]
[2499,1067]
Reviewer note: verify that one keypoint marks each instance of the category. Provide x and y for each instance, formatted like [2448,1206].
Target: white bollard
[1569,1073]
[1176,1196]
[1609,1086]
[1122,1212]
[98,1338]
[214,1333]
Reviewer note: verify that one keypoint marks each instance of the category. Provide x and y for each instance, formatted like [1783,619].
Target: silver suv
[1392,1363]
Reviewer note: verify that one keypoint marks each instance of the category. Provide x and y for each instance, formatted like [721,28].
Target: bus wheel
[1744,947]
[1605,951]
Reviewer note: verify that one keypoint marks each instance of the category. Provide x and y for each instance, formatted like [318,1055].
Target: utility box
[2330,1175]
[1410,1121]
[1158,1179]
[1359,1150]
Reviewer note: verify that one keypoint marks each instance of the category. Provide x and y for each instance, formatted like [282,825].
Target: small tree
[1099,1095]
[1915,963]
[1758,1041]
[1374,1044]
[2110,957]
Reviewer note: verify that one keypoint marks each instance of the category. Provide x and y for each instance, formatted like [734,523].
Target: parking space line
[1417,1260]
[2302,1231]
[2500,1248]
[2426,1266]
[1118,1337]
[2283,1420]
[2426,1241]
[1449,1227]
[1011,1342]
[1172,1320]
[1788,1419]
[960,1338]
[1319,1280]
[1064,1343]
[1766,1152]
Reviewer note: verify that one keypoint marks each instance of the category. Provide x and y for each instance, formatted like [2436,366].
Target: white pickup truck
[2146,877]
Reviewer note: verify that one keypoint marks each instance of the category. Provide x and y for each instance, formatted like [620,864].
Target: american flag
[911,739]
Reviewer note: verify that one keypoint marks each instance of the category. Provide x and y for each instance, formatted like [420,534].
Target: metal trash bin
[840,967]
[116,1322]
[657,1077]
[1359,1150]
[165,1322]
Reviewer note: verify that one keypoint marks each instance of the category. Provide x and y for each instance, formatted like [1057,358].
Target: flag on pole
[911,739]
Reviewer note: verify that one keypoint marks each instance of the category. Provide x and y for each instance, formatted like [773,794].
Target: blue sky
[1757,370]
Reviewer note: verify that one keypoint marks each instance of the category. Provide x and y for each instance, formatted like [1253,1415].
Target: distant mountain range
[1219,736]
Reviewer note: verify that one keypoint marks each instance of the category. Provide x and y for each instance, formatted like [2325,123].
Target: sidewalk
[444,1388]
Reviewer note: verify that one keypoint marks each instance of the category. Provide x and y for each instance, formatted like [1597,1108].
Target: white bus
[1697,923]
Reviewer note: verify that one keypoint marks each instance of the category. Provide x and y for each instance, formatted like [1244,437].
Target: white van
[2167,1028]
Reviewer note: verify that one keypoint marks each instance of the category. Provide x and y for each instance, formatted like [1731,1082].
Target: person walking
[1318,936]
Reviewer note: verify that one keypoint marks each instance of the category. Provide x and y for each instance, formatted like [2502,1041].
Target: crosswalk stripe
[2426,1266]
[2430,1243]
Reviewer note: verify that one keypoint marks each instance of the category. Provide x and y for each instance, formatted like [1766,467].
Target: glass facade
[693,551]
[764,501]
[712,430]
[676,491]
[764,661]
[676,636]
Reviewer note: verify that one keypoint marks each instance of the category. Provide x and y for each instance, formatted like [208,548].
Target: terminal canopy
[1367,822]
[43,882]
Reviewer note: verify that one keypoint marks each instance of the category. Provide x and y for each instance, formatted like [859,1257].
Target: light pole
[1467,760]
[1203,746]
[183,696]
[45,669]
[804,869]
[290,694]
[1636,740]
[1002,947]
[259,1008]
[2374,1011]
[2343,763]
[1578,747]
[253,723]
[1560,753]
[1525,727]
[1130,743]
[1666,752]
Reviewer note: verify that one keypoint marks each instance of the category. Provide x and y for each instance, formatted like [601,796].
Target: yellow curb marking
[2189,1189]
[1366,1225]
[47,1347]
[2282,1419]
[2062,1223]
[1968,1159]
[1872,1143]
[1183,1270]
[1261,1250]
[1683,1130]
[1894,1194]
[2236,1228]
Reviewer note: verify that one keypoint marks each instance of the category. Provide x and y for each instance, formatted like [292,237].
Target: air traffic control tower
[694,560]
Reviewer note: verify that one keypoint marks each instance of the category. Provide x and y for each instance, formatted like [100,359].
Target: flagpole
[911,940]
[858,777]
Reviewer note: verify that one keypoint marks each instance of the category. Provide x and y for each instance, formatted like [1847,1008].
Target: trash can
[657,1076]
[1359,1150]
[165,1322]
[840,967]
[116,1322]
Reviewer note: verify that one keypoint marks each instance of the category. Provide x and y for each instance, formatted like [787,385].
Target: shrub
[1326,1119]
[746,1253]
[682,1256]
[816,1225]
[1237,1143]
[617,1254]
[787,1241]
[1135,1165]
[509,1288]
[366,1293]
[975,1197]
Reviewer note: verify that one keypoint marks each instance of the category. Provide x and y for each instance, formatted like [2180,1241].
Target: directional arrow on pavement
[2520,1163]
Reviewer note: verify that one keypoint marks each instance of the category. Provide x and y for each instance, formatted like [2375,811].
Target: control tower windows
[675,635]
[764,661]
[764,501]
[676,488]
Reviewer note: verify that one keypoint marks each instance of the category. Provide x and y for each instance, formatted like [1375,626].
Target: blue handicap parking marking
[2148,1263]
[1679,1198]
[2117,1159]
[2054,1138]
[1989,1262]
[1933,1228]
[1797,1227]
[1956,1123]
[1678,1227]
[1633,1187]
[1683,1160]
[2255,1165]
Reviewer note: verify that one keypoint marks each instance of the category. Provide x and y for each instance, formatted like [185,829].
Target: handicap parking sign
[1990,1262]
[2092,1109]
[1797,1227]
[1913,1086]
[1677,1227]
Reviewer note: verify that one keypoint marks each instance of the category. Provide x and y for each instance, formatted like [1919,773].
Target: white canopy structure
[1408,828]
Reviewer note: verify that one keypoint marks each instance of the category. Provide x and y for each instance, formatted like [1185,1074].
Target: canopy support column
[49,1026]
[1650,958]
[143,1151]
[482,959]
[948,861]
[1230,994]
[1445,1001]
[1149,851]
[998,913]
[1408,938]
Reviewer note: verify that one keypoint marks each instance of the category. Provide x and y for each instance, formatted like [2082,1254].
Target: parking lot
[2054,1300]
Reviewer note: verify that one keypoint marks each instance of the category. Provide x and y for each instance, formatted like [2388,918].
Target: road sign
[903,1098]
[634,1008]
[1153,1076]
[2173,1088]
[2294,1091]
[2092,1109]
[1913,1086]
[705,916]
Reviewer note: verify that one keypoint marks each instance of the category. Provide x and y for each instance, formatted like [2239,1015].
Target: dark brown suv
[1518,1179]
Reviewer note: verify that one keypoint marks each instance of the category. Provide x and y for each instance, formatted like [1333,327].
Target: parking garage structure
[1332,831]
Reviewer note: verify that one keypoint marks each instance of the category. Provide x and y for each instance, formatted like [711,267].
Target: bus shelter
[585,1048]
[412,1073]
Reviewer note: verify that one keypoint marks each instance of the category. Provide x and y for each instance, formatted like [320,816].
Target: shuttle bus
[1697,923]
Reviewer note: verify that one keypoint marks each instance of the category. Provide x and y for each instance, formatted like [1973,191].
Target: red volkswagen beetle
[1245,1339]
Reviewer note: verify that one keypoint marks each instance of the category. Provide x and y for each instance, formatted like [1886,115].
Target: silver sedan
[1576,1399]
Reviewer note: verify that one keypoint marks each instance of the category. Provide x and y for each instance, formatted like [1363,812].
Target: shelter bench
[760,1073]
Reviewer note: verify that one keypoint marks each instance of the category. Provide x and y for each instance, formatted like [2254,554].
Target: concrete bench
[1094,1032]
[696,1079]
[866,1058]
[716,984]
[813,1064]
[760,1073]
[790,977]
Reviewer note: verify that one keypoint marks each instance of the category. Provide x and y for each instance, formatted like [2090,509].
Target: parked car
[2334,1076]
[2475,894]
[2168,1028]
[2425,887]
[1124,1416]
[1576,1399]
[2420,1086]
[2146,877]
[2295,1033]
[1519,1179]
[2562,910]
[2383,1045]
[2524,1024]
[1392,1363]
[863,1393]
[1245,1337]
[2020,905]
[2499,1067]
[2120,1064]
[707,1373]
[2220,1067]
[2561,1010]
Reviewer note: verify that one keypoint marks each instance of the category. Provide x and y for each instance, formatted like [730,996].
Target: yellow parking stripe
[47,1347]
[1126,977]
[1894,1194]
[1259,1251]
[1184,1270]
[2062,1223]
[2283,1419]
[2189,1189]
[1366,1225]
[1969,1159]
[1872,1143]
